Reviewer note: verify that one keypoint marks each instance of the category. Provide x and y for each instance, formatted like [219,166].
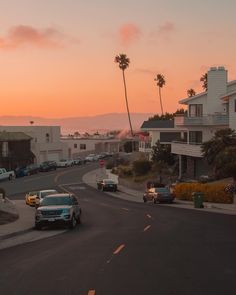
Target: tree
[124,62]
[76,134]
[204,79]
[162,153]
[160,79]
[220,151]
[167,116]
[191,92]
[31,122]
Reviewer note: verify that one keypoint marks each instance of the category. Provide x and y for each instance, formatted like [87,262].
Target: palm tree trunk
[127,106]
[161,101]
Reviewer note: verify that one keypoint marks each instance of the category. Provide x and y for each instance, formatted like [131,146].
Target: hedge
[214,193]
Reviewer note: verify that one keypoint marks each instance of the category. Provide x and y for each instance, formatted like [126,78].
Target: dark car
[48,166]
[60,209]
[27,170]
[158,195]
[107,185]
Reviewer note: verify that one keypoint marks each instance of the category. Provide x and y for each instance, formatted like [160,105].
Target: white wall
[44,147]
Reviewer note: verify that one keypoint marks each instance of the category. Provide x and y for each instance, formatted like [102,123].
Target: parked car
[63,163]
[61,209]
[78,161]
[20,172]
[30,198]
[31,169]
[158,195]
[42,194]
[4,174]
[48,166]
[107,185]
[90,158]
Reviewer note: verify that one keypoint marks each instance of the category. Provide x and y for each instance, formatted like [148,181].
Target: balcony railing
[216,119]
[192,149]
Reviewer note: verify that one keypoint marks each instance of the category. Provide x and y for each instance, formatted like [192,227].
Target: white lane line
[119,249]
[149,216]
[125,209]
[147,228]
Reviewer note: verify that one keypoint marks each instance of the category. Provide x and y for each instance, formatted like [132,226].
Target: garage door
[54,156]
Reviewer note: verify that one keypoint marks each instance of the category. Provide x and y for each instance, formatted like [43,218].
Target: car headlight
[66,211]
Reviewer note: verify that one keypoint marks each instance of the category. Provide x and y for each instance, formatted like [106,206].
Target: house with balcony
[158,130]
[207,112]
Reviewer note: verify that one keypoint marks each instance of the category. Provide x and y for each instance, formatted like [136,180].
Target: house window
[195,136]
[82,146]
[75,145]
[47,137]
[195,110]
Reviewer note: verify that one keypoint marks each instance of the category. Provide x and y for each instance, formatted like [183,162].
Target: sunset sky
[57,56]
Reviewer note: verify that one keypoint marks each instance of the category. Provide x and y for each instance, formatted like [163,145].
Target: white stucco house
[158,130]
[82,146]
[206,112]
[46,142]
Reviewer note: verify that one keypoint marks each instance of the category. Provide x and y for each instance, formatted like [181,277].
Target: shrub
[125,171]
[214,193]
[110,164]
[141,167]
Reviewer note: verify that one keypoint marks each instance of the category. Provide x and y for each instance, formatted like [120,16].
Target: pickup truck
[4,174]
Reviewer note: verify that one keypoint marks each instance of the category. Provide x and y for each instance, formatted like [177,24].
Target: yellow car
[30,198]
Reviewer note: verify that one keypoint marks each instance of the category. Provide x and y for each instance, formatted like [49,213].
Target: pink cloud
[22,35]
[128,33]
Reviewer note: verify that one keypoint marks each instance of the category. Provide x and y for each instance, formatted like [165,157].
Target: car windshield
[32,193]
[109,181]
[162,190]
[56,201]
[44,194]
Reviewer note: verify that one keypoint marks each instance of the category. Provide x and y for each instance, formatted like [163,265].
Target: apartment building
[207,112]
[45,143]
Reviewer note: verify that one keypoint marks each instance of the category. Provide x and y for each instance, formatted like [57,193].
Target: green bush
[141,167]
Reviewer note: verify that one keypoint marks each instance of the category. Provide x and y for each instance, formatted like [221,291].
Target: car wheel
[79,220]
[38,226]
[145,200]
[154,201]
[73,222]
[10,177]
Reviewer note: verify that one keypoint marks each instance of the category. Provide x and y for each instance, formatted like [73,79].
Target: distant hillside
[100,123]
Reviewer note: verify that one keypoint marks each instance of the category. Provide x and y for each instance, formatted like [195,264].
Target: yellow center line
[149,216]
[91,292]
[147,227]
[119,249]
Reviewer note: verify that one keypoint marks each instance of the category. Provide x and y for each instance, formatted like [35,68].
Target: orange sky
[57,56]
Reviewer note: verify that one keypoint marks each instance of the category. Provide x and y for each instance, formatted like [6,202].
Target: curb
[18,233]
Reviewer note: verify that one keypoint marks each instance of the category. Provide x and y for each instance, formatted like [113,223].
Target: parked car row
[54,208]
[96,157]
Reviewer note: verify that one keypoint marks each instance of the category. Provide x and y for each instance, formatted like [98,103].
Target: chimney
[216,86]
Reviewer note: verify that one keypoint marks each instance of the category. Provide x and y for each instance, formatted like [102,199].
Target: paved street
[122,247]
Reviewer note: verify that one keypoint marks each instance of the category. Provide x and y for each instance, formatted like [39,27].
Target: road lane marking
[125,209]
[147,228]
[149,216]
[91,292]
[119,249]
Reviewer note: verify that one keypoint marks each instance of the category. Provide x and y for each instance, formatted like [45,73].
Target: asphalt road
[122,248]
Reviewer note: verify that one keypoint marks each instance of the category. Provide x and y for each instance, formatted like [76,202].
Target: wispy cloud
[164,31]
[129,33]
[22,35]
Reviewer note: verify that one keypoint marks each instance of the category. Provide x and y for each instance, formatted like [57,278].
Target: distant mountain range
[101,123]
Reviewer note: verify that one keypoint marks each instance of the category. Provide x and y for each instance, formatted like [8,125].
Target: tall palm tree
[160,83]
[123,62]
[203,79]
[191,92]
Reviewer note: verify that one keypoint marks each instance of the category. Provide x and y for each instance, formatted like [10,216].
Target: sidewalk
[23,224]
[137,196]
